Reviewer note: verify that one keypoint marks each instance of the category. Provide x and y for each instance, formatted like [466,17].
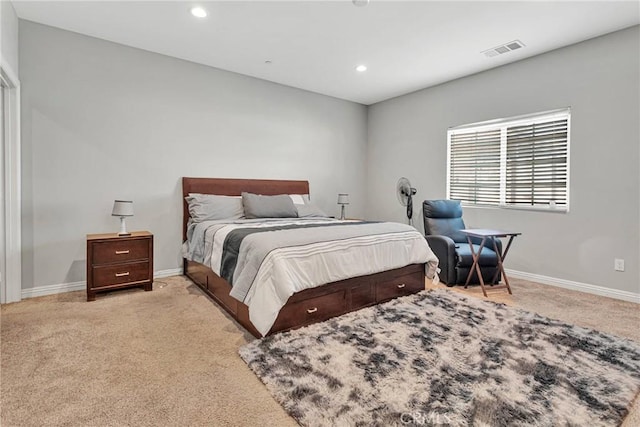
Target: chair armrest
[489,245]
[499,243]
[445,250]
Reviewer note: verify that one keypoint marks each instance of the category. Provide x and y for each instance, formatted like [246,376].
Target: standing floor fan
[405,193]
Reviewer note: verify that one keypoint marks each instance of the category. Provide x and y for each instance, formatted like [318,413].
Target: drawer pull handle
[312,310]
[122,252]
[401,285]
[126,273]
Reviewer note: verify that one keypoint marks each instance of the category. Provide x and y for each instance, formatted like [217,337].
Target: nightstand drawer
[120,273]
[113,251]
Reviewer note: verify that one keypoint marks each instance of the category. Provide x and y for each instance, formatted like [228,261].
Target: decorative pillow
[210,207]
[305,208]
[258,206]
[299,199]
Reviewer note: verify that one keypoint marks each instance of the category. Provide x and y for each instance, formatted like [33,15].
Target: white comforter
[266,275]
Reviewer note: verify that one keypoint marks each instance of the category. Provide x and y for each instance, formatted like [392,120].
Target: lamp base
[123,228]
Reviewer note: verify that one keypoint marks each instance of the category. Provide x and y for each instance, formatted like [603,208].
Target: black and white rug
[440,358]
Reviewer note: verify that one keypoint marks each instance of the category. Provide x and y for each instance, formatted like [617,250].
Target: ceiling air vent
[504,48]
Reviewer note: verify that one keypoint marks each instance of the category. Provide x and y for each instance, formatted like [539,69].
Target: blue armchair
[442,225]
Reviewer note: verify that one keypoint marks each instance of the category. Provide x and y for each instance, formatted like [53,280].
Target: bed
[305,306]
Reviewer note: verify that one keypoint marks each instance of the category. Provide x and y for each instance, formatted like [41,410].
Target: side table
[486,234]
[116,262]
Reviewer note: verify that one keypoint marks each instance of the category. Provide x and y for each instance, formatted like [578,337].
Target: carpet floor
[170,357]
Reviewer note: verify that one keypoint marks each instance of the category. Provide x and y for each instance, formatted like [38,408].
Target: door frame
[11,285]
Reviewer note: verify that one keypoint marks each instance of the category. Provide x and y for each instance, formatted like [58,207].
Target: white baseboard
[576,286]
[81,286]
[546,280]
[53,289]
[166,273]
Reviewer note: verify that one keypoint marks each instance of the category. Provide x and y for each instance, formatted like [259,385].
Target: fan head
[404,191]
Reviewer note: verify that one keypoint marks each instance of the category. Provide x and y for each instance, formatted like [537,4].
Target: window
[520,162]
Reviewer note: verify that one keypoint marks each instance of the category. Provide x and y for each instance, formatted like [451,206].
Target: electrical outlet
[618,264]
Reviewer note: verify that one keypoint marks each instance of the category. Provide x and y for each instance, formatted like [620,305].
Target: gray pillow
[309,210]
[210,207]
[257,206]
[305,208]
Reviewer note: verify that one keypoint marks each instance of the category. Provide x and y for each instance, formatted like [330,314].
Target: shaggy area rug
[440,358]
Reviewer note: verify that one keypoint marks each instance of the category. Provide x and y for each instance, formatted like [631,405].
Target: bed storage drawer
[404,285]
[220,289]
[216,287]
[362,296]
[311,310]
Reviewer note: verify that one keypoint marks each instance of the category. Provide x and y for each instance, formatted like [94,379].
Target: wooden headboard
[235,187]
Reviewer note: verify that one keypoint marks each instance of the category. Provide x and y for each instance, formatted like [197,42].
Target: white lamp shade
[343,199]
[122,208]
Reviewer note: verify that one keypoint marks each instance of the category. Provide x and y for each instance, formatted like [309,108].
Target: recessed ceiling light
[198,12]
[361,68]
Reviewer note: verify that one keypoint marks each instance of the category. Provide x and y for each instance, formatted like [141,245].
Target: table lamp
[123,209]
[343,199]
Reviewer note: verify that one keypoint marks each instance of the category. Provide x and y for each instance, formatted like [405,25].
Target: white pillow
[298,199]
[210,207]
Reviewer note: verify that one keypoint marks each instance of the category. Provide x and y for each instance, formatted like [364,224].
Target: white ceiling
[316,45]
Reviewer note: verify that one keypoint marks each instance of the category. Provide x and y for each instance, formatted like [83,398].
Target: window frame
[503,124]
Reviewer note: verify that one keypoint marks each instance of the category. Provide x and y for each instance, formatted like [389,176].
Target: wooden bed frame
[308,306]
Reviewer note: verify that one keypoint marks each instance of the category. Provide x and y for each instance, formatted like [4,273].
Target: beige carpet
[170,357]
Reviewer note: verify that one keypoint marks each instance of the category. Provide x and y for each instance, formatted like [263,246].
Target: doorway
[10,223]
[3,252]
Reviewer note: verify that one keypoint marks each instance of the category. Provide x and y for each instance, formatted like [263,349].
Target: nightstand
[115,262]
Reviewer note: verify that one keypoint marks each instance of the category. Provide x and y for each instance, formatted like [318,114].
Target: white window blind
[520,162]
[475,167]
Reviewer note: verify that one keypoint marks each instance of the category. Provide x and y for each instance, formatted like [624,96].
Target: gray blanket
[233,242]
[253,247]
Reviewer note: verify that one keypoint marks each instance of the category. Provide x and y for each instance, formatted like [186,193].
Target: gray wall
[102,121]
[599,80]
[9,34]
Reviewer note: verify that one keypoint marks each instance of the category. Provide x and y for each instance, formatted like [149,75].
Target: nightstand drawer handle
[122,274]
[122,252]
[312,310]
[401,285]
